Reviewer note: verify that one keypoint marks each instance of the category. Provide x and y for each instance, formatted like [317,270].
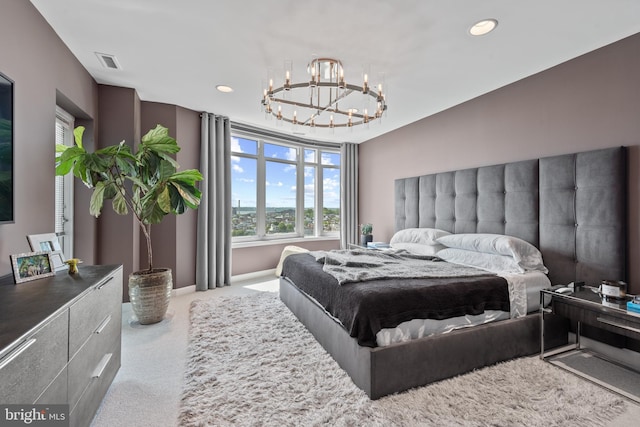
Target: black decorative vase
[365,238]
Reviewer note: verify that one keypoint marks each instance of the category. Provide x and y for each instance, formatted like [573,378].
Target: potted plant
[148,184]
[366,236]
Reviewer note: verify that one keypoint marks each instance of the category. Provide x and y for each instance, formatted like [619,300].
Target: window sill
[270,242]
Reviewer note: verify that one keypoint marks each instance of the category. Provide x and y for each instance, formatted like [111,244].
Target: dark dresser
[60,339]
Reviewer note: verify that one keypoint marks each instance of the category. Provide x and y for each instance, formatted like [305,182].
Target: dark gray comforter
[364,308]
[349,266]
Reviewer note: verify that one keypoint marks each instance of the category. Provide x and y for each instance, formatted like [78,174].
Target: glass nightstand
[585,306]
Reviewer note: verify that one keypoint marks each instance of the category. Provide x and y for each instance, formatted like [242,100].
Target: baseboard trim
[234,279]
[253,275]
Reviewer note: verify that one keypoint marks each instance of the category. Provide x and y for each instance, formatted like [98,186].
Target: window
[283,190]
[64,187]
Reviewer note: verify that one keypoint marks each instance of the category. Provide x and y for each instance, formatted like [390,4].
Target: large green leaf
[188,176]
[119,204]
[166,170]
[189,194]
[110,190]
[67,159]
[96,163]
[178,205]
[169,159]
[97,200]
[158,140]
[164,200]
[157,132]
[77,135]
[64,168]
[155,216]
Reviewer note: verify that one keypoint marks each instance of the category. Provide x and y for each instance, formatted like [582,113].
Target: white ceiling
[176,52]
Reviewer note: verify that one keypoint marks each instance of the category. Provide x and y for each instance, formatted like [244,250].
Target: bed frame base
[382,371]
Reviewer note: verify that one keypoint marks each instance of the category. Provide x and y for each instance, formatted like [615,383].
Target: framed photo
[48,242]
[32,266]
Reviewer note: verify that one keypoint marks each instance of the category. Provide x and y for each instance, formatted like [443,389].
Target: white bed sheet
[524,296]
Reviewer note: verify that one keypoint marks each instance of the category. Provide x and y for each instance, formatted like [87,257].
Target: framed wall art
[6,150]
[32,266]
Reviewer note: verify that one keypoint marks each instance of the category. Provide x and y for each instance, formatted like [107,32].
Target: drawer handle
[97,373]
[617,325]
[102,285]
[103,325]
[17,352]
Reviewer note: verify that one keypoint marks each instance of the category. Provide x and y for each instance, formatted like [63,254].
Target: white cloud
[235,145]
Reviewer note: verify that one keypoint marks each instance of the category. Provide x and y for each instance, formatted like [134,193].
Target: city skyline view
[280,177]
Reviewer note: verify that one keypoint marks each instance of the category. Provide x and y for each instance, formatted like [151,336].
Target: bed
[571,207]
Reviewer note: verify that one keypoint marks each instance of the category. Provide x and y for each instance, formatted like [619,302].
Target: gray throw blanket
[359,265]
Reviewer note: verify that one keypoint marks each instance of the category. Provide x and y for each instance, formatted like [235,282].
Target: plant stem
[146,229]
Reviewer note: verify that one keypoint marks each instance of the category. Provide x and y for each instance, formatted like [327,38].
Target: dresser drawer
[86,363]
[87,314]
[82,413]
[56,393]
[32,365]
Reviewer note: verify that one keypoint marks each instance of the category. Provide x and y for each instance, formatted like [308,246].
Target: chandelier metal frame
[326,89]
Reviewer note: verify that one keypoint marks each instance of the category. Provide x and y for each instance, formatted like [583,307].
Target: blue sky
[281,177]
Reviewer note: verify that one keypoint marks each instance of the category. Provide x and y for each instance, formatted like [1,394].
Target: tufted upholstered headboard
[572,207]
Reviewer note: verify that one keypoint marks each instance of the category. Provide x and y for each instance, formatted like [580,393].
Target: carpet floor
[251,362]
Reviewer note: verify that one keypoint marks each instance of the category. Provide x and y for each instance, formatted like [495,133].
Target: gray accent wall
[588,103]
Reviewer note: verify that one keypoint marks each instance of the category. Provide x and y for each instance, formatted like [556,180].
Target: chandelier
[325,99]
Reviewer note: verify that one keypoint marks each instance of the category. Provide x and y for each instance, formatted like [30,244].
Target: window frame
[300,163]
[66,203]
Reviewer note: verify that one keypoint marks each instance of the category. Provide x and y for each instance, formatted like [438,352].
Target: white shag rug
[250,362]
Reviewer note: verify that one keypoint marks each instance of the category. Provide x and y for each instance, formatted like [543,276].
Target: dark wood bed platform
[572,207]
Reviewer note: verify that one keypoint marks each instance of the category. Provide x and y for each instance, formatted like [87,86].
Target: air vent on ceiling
[108,61]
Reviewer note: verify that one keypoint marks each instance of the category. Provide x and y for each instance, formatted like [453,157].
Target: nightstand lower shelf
[601,371]
[586,307]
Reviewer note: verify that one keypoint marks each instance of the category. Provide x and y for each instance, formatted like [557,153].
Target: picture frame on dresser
[48,242]
[32,266]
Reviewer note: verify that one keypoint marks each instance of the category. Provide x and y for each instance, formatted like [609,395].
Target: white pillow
[424,236]
[419,241]
[523,253]
[419,248]
[494,263]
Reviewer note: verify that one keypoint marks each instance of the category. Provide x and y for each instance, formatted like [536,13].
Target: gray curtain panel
[213,263]
[349,195]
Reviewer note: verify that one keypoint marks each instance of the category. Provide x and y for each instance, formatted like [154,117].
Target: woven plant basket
[149,294]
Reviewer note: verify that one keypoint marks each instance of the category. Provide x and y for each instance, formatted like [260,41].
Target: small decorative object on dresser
[366,236]
[146,182]
[73,265]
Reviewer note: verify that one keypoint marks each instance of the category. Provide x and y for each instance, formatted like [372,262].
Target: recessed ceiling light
[224,89]
[483,27]
[353,110]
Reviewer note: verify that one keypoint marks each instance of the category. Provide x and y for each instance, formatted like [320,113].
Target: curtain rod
[241,127]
